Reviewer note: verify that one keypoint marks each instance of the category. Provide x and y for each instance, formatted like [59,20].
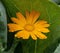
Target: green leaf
[58,49]
[48,10]
[3,28]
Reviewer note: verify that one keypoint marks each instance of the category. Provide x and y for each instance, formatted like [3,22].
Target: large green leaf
[58,49]
[48,10]
[3,26]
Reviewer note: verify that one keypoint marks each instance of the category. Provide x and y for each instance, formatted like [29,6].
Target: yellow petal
[36,16]
[30,17]
[22,34]
[40,35]
[15,20]
[27,14]
[42,25]
[21,17]
[14,27]
[33,36]
[40,22]
[19,34]
[45,25]
[44,30]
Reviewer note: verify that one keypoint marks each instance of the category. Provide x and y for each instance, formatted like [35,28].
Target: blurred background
[56,1]
[3,20]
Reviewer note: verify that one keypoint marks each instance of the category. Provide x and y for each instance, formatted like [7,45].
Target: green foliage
[2,28]
[57,49]
[49,11]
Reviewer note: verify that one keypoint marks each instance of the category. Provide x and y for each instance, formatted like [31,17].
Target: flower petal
[40,35]
[15,20]
[45,25]
[14,27]
[40,22]
[21,17]
[44,30]
[42,26]
[33,36]
[36,16]
[27,14]
[22,34]
[29,17]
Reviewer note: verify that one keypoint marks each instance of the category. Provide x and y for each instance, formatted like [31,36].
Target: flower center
[29,27]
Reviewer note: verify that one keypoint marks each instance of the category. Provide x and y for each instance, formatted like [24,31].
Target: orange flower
[29,26]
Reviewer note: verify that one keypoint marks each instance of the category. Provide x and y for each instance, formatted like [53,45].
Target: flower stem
[35,46]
